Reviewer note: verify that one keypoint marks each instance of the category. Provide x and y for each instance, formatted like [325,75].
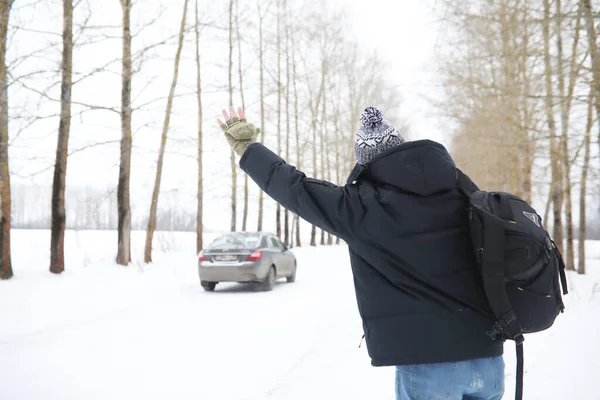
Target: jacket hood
[422,167]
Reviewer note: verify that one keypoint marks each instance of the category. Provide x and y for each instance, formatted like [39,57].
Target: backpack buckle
[519,338]
[507,327]
[497,332]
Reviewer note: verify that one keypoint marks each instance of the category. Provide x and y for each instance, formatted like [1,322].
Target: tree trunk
[232,154]
[241,78]
[57,245]
[278,206]
[565,109]
[163,142]
[286,223]
[261,194]
[200,190]
[5,196]
[315,112]
[595,57]
[593,49]
[583,187]
[314,105]
[296,131]
[124,208]
[528,147]
[323,132]
[338,139]
[313,229]
[557,175]
[548,206]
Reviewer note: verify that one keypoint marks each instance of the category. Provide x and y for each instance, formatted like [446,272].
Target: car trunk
[227,255]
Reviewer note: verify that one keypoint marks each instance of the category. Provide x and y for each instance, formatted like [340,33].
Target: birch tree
[5,193]
[261,66]
[566,99]
[241,82]
[232,154]
[583,186]
[322,128]
[286,224]
[594,56]
[200,187]
[556,162]
[123,197]
[314,109]
[491,92]
[57,242]
[296,130]
[163,142]
[279,95]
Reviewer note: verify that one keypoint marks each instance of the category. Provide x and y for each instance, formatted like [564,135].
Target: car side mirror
[289,246]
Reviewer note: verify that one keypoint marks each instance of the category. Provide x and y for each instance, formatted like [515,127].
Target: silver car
[246,257]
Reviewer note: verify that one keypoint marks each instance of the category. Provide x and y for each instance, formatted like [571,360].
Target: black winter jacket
[406,225]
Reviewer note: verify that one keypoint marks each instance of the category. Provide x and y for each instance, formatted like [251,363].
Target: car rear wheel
[269,283]
[208,286]
[292,277]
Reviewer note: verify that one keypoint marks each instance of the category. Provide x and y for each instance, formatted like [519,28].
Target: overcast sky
[402,32]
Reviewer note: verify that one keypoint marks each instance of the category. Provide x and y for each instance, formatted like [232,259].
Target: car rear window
[235,241]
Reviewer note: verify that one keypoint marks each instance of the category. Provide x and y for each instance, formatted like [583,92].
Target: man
[405,222]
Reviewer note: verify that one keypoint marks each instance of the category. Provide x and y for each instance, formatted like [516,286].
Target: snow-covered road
[104,332]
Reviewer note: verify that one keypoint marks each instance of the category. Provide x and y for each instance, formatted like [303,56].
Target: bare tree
[337,134]
[241,78]
[556,162]
[163,142]
[279,94]
[491,91]
[232,154]
[296,130]
[322,133]
[200,189]
[595,57]
[286,225]
[314,105]
[565,111]
[261,54]
[595,86]
[583,187]
[57,245]
[5,195]
[506,94]
[124,207]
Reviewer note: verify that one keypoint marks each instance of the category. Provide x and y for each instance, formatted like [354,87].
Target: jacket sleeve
[333,208]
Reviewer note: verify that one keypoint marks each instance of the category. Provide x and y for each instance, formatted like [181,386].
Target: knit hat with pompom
[374,136]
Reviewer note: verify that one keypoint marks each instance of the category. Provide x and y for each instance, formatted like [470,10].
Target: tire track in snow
[324,353]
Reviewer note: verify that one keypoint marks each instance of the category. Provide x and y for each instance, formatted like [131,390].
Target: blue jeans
[481,379]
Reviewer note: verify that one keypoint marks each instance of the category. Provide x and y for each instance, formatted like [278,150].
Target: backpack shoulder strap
[465,184]
[492,268]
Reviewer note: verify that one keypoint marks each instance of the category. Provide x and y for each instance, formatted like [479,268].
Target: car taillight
[255,256]
[201,257]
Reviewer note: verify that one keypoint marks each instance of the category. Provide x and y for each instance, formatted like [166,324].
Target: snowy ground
[149,332]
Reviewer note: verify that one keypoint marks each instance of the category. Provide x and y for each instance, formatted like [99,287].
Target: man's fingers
[232,112]
[241,113]
[222,124]
[225,115]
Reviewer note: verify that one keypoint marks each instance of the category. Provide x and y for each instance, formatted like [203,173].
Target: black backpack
[520,265]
